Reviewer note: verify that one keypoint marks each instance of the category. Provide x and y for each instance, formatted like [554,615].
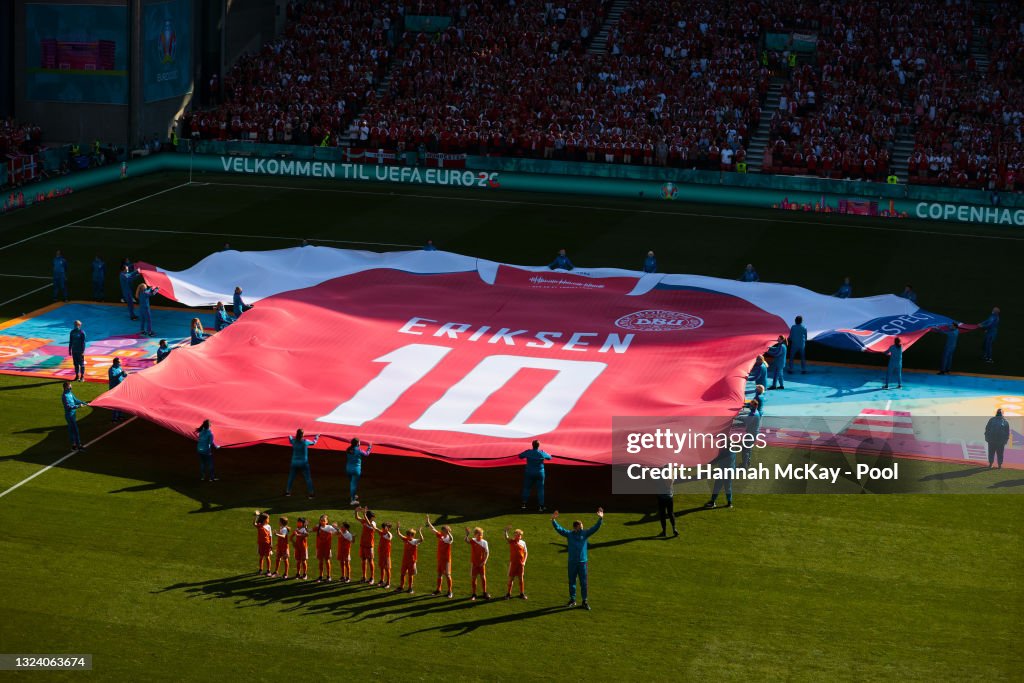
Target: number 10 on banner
[409,364]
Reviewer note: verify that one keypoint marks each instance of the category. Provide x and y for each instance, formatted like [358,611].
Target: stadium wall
[155,69]
[92,120]
[491,182]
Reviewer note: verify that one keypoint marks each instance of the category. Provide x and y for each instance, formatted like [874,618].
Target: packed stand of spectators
[310,81]
[19,138]
[840,116]
[970,129]
[502,79]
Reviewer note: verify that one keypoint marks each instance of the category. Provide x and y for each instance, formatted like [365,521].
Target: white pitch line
[590,207]
[62,459]
[95,215]
[22,296]
[34,277]
[233,234]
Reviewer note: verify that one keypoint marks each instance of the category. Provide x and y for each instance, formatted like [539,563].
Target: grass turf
[120,552]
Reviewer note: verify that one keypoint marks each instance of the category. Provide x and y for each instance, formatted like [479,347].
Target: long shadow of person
[462,628]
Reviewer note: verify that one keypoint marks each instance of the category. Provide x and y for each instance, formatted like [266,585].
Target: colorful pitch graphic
[36,345]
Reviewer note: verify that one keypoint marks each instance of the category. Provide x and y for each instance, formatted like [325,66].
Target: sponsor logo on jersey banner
[659,321]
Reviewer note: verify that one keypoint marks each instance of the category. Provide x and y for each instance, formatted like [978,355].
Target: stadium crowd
[679,84]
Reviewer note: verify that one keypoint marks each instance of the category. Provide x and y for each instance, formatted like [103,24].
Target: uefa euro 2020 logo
[669,191]
[167,43]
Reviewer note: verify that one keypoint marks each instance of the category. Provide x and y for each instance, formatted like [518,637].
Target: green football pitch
[120,552]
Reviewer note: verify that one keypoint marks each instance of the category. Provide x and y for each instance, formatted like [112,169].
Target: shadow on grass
[142,458]
[652,517]
[1007,483]
[954,474]
[345,602]
[461,628]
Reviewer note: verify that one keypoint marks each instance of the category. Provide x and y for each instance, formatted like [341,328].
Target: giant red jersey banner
[448,356]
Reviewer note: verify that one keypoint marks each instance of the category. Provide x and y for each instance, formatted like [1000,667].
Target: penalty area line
[65,457]
[22,296]
[95,215]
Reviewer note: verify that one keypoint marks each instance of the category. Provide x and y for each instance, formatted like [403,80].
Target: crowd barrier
[660,185]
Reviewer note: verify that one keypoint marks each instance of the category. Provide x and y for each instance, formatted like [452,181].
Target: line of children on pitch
[375,545]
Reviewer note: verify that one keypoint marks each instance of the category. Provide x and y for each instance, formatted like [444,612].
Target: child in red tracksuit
[263,544]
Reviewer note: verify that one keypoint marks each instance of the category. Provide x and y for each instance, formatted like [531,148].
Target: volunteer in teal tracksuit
[991,326]
[534,473]
[60,276]
[99,275]
[126,278]
[71,405]
[162,351]
[749,274]
[204,447]
[759,372]
[221,319]
[76,349]
[561,262]
[752,424]
[778,355]
[116,375]
[650,263]
[144,295]
[895,368]
[725,459]
[354,468]
[845,290]
[997,434]
[577,541]
[952,335]
[798,344]
[300,461]
[237,304]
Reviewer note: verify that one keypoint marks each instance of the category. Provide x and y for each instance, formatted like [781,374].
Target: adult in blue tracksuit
[300,461]
[71,405]
[997,434]
[725,459]
[221,319]
[895,368]
[534,473]
[650,263]
[759,371]
[126,279]
[144,293]
[845,290]
[909,294]
[429,246]
[952,335]
[204,447]
[749,274]
[237,304]
[99,276]
[162,351]
[196,333]
[798,344]
[577,541]
[991,326]
[752,427]
[60,276]
[561,262]
[354,468]
[116,375]
[778,355]
[76,349]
